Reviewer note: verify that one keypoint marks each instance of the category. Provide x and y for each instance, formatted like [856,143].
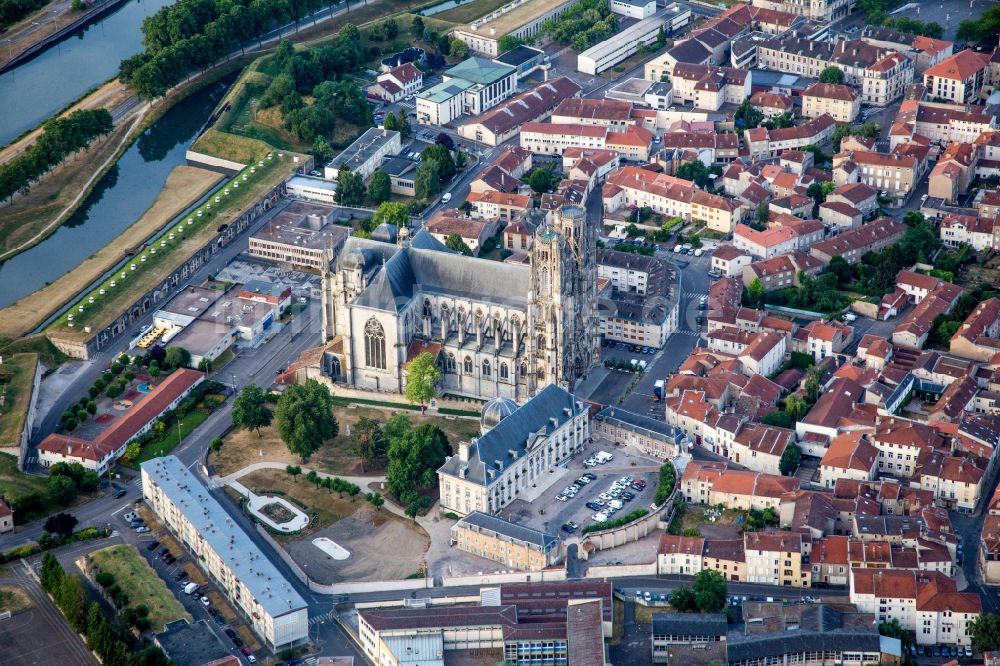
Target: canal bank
[34,91]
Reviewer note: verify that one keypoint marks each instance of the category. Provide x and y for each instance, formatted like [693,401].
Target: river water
[118,200]
[34,91]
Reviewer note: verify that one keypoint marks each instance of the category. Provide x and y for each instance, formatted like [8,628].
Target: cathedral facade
[497,329]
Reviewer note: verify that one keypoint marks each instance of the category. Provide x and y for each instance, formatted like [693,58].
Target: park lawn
[467,12]
[243,447]
[17,375]
[165,444]
[323,506]
[242,149]
[14,599]
[134,575]
[184,186]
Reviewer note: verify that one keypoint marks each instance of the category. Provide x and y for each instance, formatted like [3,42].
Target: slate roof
[689,624]
[515,433]
[534,537]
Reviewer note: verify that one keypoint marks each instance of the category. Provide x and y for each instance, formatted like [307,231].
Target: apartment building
[763,143]
[631,142]
[611,113]
[713,483]
[893,174]
[978,337]
[253,585]
[768,243]
[504,120]
[627,42]
[925,602]
[674,197]
[708,87]
[941,123]
[781,271]
[512,545]
[777,558]
[849,456]
[854,244]
[397,83]
[840,101]
[366,154]
[640,305]
[958,78]
[955,480]
[953,172]
[490,471]
[679,555]
[650,436]
[829,11]
[924,51]
[772,104]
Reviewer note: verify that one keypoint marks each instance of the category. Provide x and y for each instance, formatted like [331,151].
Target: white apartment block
[829,11]
[254,586]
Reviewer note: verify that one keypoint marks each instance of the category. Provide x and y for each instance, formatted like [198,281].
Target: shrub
[668,478]
[617,522]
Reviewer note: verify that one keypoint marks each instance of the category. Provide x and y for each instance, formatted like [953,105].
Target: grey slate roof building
[497,329]
[520,449]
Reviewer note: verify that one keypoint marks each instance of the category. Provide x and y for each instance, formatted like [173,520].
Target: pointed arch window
[449,363]
[486,368]
[468,365]
[374,344]
[503,372]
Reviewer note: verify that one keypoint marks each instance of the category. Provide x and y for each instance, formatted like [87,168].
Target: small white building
[365,155]
[309,188]
[625,44]
[638,9]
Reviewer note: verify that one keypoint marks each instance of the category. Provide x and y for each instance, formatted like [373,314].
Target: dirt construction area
[381,546]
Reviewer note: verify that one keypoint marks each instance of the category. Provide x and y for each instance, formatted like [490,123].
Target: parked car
[698,252]
[181,575]
[561,497]
[590,475]
[131,516]
[593,506]
[569,527]
[600,517]
[153,545]
[170,559]
[205,602]
[141,530]
[639,485]
[968,651]
[446,197]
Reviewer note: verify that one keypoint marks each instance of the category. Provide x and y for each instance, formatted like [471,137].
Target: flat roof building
[269,604]
[626,43]
[300,235]
[366,153]
[310,188]
[520,18]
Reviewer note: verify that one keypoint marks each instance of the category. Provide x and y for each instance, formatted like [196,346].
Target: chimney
[463,452]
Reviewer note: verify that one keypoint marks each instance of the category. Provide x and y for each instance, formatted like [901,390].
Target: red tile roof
[960,66]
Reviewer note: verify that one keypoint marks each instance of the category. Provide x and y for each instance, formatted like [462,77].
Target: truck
[191,588]
[602,457]
[658,390]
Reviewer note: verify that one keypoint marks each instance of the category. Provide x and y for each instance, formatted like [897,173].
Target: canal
[118,200]
[29,94]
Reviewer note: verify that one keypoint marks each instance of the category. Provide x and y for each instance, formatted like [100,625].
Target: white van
[850,316]
[602,457]
[600,517]
[642,365]
[446,198]
[616,504]
[191,588]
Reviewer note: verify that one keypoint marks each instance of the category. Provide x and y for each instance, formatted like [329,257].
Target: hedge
[668,478]
[617,522]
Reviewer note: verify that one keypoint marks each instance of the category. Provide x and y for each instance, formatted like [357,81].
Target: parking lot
[173,564]
[548,513]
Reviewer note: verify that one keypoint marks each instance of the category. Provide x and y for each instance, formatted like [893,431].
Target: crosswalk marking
[316,619]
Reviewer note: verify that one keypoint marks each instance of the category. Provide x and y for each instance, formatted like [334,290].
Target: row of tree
[192,35]
[61,137]
[12,11]
[112,641]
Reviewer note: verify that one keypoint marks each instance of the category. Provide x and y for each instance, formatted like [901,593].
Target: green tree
[322,151]
[427,179]
[985,631]
[293,471]
[683,600]
[694,170]
[457,243]
[790,459]
[216,444]
[350,187]
[368,441]
[542,179]
[375,500]
[304,418]
[61,489]
[458,48]
[422,378]
[762,214]
[710,591]
[814,378]
[177,357]
[417,27]
[445,161]
[508,42]
[795,407]
[746,116]
[60,524]
[390,212]
[250,410]
[413,460]
[403,124]
[755,294]
[379,187]
[831,74]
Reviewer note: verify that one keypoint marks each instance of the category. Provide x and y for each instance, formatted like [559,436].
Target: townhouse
[955,480]
[674,197]
[777,240]
[842,102]
[953,172]
[764,353]
[730,262]
[940,123]
[827,11]
[978,337]
[495,205]
[894,174]
[552,138]
[924,602]
[854,244]
[397,83]
[763,143]
[708,87]
[924,51]
[713,483]
[679,555]
[781,271]
[760,447]
[857,195]
[829,417]
[777,558]
[452,222]
[772,104]
[958,78]
[849,456]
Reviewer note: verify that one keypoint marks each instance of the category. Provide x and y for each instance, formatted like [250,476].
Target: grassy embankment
[16,375]
[198,228]
[142,585]
[184,186]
